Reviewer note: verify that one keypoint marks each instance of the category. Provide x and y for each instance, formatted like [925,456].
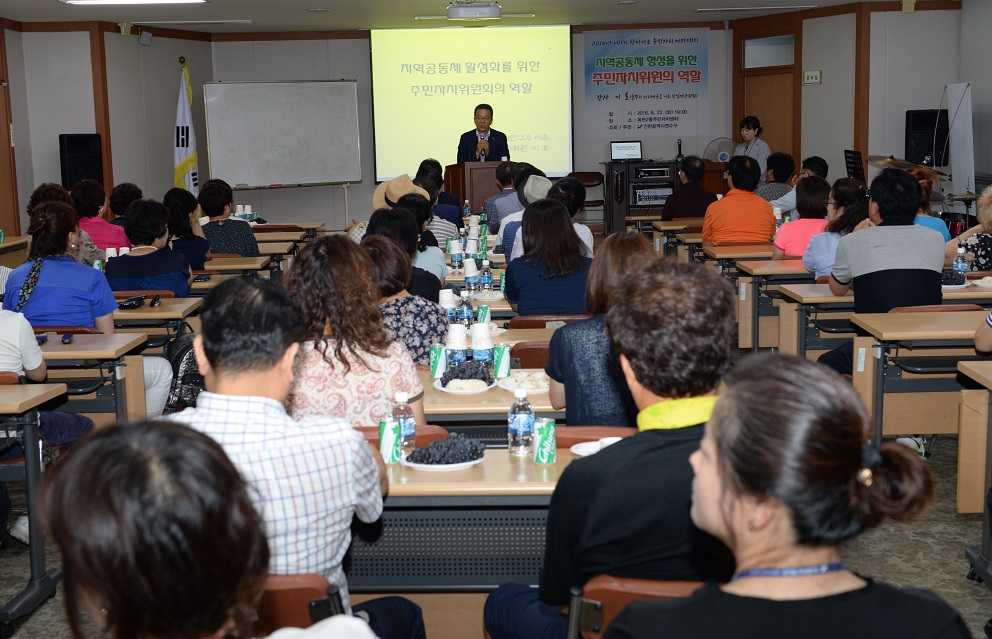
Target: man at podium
[482,143]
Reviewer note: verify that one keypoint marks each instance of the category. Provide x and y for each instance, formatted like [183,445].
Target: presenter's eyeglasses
[484,118]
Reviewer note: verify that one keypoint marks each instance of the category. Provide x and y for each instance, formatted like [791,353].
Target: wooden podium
[472,181]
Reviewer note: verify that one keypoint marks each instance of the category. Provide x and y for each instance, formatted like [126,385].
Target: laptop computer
[626,151]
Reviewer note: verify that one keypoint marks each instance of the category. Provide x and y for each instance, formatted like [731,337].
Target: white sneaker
[19,530]
[918,444]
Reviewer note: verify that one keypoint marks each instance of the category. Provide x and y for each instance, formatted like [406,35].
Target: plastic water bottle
[960,264]
[486,277]
[466,209]
[520,425]
[403,414]
[466,314]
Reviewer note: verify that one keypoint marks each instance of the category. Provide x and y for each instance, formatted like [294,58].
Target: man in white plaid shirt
[310,477]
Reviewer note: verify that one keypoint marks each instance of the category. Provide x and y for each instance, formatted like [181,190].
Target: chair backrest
[531,354]
[123,295]
[509,234]
[568,436]
[589,179]
[8,378]
[541,321]
[62,330]
[977,275]
[937,308]
[294,601]
[425,434]
[823,279]
[604,596]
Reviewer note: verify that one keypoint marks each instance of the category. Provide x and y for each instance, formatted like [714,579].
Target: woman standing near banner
[751,145]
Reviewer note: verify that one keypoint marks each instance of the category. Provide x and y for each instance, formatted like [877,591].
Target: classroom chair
[934,365]
[295,601]
[590,180]
[542,321]
[594,605]
[530,354]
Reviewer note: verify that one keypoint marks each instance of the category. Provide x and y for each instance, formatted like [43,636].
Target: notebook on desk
[626,151]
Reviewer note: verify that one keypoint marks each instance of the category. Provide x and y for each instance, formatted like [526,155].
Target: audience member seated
[783,477]
[977,241]
[583,367]
[780,168]
[431,168]
[504,180]
[51,289]
[533,187]
[408,319]
[847,206]
[400,225]
[691,198]
[151,264]
[571,193]
[428,257]
[224,234]
[983,339]
[927,178]
[740,216]
[510,211]
[550,277]
[120,198]
[442,229]
[347,366]
[90,202]
[159,538]
[185,233]
[335,475]
[625,510]
[889,262]
[21,354]
[447,208]
[811,203]
[86,251]
[813,165]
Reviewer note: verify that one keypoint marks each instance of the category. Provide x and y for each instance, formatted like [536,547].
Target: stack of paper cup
[471,269]
[124,250]
[239,210]
[777,212]
[111,252]
[457,337]
[473,232]
[481,339]
[473,220]
[247,211]
[446,296]
[471,246]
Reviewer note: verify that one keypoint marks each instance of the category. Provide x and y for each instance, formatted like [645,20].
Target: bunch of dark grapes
[950,278]
[468,370]
[456,449]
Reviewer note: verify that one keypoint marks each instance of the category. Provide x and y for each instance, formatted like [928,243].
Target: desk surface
[91,346]
[514,335]
[171,309]
[20,398]
[494,400]
[495,306]
[772,267]
[214,280]
[677,223]
[891,327]
[499,474]
[238,263]
[272,248]
[292,236]
[981,372]
[820,293]
[459,276]
[738,251]
[261,228]
[691,238]
[13,243]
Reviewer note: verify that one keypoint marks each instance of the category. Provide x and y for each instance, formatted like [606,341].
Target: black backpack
[187,382]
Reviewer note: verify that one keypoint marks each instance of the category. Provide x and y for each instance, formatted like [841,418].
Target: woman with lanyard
[782,476]
[752,146]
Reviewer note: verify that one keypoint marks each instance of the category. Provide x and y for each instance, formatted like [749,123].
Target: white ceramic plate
[493,332]
[483,297]
[502,384]
[586,448]
[442,468]
[954,287]
[982,283]
[437,385]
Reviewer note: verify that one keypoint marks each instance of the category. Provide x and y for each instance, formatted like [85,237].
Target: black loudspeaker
[921,125]
[81,157]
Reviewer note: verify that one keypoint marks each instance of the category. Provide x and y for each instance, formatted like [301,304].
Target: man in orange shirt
[740,216]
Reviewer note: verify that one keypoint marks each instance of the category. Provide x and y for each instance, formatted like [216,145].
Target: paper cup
[471,269]
[124,250]
[446,295]
[473,220]
[471,247]
[239,210]
[111,252]
[480,336]
[473,232]
[719,196]
[777,212]
[457,336]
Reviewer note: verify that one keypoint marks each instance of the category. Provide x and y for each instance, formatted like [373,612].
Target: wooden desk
[762,274]
[670,229]
[310,228]
[284,236]
[688,246]
[128,401]
[240,265]
[14,251]
[973,443]
[498,307]
[201,288]
[171,310]
[727,254]
[492,404]
[924,411]
[18,405]
[458,277]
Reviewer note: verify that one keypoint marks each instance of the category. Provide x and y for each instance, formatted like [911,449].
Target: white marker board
[262,134]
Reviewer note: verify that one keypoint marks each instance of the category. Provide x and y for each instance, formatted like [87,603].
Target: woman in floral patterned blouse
[348,367]
[977,241]
[409,319]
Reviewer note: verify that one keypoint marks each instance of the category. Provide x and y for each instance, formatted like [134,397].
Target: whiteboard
[264,134]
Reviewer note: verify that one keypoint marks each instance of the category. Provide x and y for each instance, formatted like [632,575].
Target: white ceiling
[292,15]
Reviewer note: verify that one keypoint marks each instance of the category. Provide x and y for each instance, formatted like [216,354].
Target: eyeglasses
[484,118]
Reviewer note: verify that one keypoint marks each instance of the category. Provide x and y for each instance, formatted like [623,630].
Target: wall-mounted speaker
[81,158]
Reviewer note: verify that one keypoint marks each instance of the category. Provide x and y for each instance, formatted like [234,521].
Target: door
[769,98]
[9,218]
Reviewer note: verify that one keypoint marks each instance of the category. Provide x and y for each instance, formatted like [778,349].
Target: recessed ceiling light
[778,8]
[133,1]
[623,2]
[318,10]
[166,22]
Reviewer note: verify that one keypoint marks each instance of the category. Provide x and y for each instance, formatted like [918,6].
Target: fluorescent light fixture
[778,8]
[133,1]
[163,23]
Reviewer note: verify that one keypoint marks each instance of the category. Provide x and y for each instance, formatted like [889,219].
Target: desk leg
[864,374]
[787,313]
[802,318]
[133,388]
[42,584]
[756,313]
[981,566]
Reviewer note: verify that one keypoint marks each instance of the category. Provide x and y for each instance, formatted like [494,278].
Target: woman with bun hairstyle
[847,207]
[927,179]
[783,475]
[185,233]
[572,194]
[752,146]
[91,203]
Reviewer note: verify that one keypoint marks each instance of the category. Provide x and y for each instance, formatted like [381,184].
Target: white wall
[828,108]
[307,60]
[976,16]
[21,138]
[143,91]
[911,61]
